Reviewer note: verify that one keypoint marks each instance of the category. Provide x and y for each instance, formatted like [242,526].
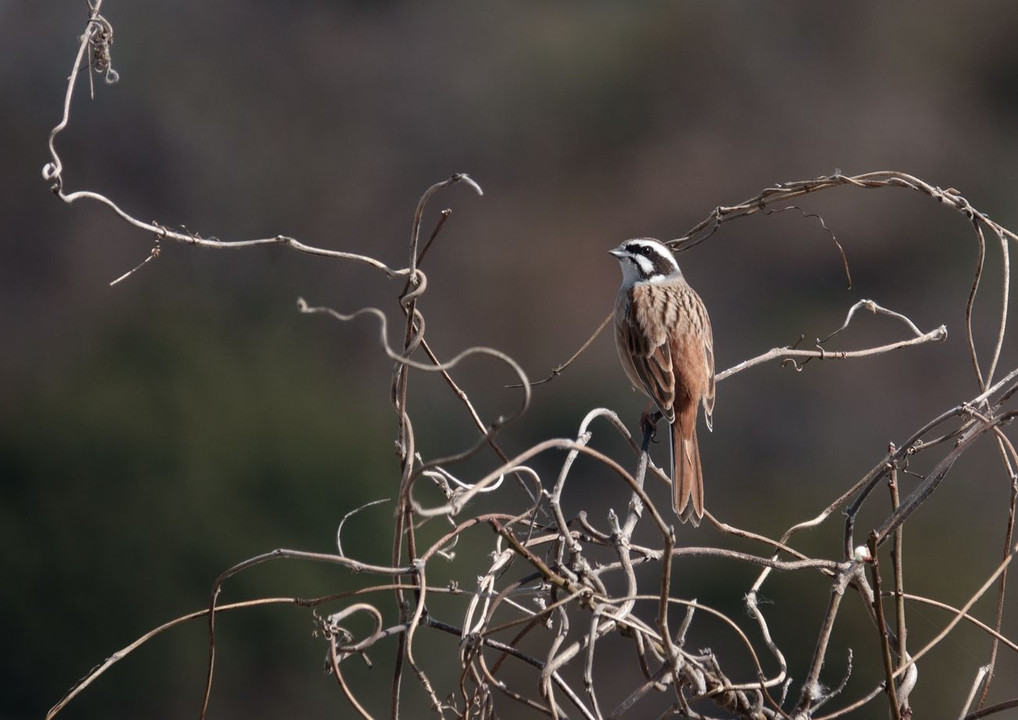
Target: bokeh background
[154,433]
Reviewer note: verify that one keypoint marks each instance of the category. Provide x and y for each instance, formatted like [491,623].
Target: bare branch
[552,587]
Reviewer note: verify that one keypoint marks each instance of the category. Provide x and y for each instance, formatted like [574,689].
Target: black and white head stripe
[648,259]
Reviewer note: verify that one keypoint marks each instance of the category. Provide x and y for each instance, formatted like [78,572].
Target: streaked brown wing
[653,366]
[708,349]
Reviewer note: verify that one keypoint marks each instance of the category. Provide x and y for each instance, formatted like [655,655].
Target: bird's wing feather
[708,349]
[652,361]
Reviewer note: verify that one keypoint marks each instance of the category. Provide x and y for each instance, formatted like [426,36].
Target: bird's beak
[616,252]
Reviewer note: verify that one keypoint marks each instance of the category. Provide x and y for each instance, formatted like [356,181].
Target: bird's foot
[648,425]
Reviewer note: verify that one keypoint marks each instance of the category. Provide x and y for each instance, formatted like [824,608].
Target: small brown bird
[664,340]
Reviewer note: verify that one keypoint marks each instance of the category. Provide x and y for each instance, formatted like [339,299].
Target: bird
[666,347]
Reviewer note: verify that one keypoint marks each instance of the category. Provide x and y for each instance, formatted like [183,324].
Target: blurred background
[155,433]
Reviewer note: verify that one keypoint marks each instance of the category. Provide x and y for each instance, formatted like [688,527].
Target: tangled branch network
[559,596]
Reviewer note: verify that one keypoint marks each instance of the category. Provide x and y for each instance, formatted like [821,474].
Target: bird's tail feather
[687,477]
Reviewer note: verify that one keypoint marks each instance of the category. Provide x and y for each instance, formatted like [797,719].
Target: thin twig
[885,645]
[581,583]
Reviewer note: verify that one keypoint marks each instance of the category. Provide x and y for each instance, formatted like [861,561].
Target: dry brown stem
[576,579]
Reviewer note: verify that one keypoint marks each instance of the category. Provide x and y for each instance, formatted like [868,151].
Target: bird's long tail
[687,477]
